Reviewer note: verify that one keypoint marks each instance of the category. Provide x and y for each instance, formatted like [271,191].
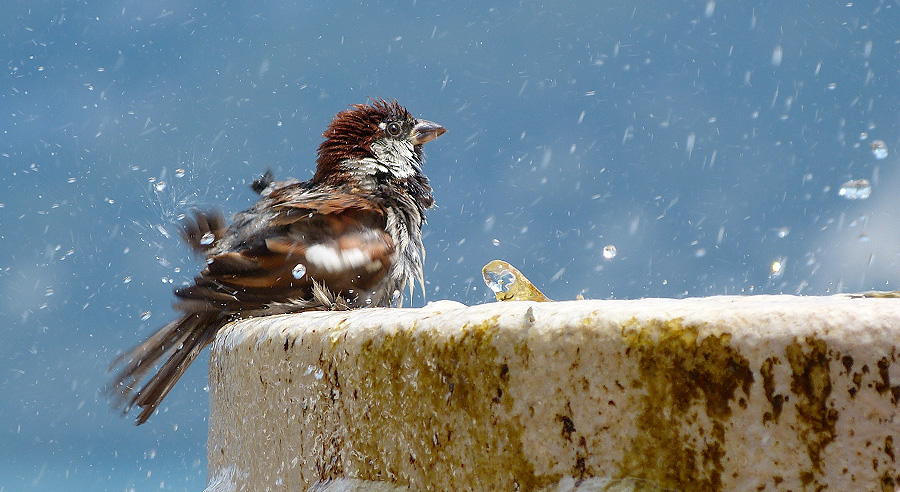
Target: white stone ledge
[711,394]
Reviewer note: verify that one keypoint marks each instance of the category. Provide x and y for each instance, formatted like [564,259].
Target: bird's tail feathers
[181,340]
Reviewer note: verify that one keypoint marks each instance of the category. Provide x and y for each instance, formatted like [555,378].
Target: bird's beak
[426,131]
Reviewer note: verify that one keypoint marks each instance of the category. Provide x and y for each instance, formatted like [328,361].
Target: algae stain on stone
[466,376]
[767,370]
[811,386]
[680,372]
[884,385]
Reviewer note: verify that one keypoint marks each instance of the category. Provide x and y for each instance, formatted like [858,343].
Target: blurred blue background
[707,141]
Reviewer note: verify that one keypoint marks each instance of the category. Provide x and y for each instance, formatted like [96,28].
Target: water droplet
[160,185]
[609,251]
[368,301]
[777,56]
[48,292]
[299,270]
[70,180]
[319,373]
[777,268]
[207,238]
[489,223]
[879,149]
[500,280]
[857,189]
[179,173]
[784,231]
[395,295]
[700,253]
[863,135]
[863,238]
[145,315]
[126,280]
[832,86]
[495,241]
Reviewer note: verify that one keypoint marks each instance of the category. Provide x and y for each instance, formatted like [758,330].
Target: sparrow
[350,237]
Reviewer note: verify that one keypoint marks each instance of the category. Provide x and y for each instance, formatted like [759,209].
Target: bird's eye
[393,128]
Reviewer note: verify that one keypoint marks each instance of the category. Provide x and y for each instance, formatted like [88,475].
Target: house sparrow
[349,237]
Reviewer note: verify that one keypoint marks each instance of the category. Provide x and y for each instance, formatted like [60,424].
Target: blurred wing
[337,240]
[204,230]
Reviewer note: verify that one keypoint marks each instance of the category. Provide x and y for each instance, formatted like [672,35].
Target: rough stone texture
[713,394]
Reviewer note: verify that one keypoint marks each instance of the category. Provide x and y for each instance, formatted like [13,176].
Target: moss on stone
[415,371]
[811,387]
[682,375]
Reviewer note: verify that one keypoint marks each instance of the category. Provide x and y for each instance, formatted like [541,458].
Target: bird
[350,237]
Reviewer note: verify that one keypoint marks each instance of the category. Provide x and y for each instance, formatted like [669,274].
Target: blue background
[704,140]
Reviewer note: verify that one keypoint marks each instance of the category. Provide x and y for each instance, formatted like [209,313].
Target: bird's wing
[202,233]
[295,238]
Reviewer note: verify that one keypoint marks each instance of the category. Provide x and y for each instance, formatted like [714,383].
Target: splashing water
[508,283]
[299,270]
[500,280]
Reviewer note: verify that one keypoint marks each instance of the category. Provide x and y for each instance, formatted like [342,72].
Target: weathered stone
[712,394]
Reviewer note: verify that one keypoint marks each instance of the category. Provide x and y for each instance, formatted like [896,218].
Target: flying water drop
[299,270]
[777,56]
[879,149]
[857,189]
[207,238]
[777,268]
[609,252]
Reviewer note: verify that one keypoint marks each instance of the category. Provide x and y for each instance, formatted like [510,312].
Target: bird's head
[374,144]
